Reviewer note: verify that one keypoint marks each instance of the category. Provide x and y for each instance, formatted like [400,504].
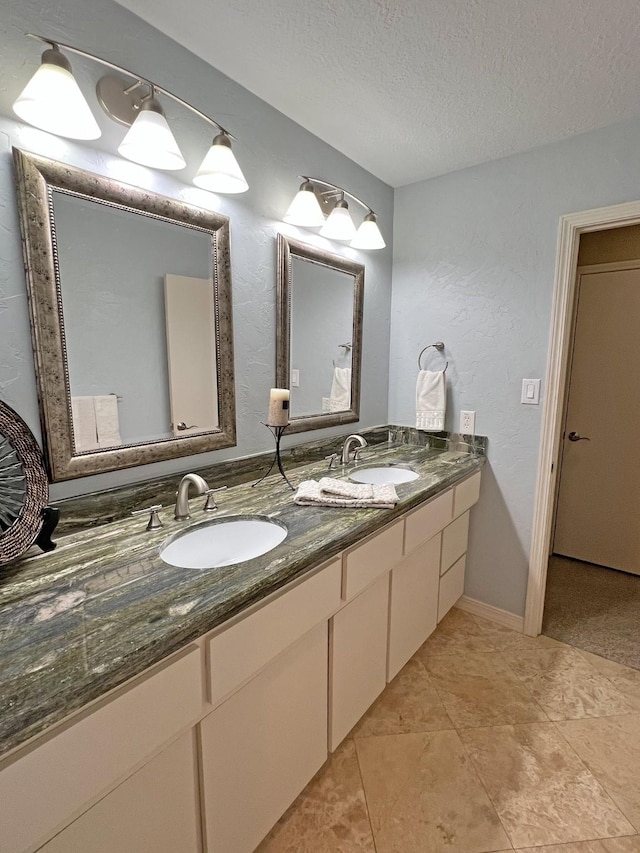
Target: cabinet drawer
[240,651]
[366,562]
[81,761]
[454,541]
[466,494]
[451,587]
[413,612]
[428,520]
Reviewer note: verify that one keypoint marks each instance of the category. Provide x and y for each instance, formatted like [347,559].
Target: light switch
[295,378]
[530,392]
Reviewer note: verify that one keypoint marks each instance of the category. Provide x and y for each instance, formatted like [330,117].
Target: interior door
[598,507]
[191,351]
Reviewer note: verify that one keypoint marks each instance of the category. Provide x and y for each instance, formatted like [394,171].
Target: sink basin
[223,542]
[383,474]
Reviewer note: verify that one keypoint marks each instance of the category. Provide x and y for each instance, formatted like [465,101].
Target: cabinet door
[358,658]
[262,746]
[413,613]
[154,811]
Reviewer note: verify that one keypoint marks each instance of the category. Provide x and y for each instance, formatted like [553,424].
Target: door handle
[573,436]
[182,426]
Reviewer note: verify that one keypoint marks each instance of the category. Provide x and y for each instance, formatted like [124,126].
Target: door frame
[562,318]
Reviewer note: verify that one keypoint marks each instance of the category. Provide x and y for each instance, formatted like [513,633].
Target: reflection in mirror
[130,299]
[156,290]
[319,335]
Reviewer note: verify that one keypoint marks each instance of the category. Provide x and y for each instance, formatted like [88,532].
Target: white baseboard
[487,611]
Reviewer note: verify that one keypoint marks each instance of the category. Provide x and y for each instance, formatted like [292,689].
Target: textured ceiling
[416,88]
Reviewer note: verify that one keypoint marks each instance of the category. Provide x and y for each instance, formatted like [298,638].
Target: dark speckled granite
[103,606]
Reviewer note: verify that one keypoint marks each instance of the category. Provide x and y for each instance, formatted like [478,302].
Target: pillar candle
[278,407]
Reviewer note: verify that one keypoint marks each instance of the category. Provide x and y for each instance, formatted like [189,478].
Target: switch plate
[295,378]
[530,392]
[468,423]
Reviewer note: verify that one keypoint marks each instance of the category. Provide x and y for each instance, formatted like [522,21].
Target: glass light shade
[305,210]
[52,101]
[150,142]
[368,235]
[339,225]
[219,172]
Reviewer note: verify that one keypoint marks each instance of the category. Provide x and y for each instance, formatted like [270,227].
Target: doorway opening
[554,436]
[592,596]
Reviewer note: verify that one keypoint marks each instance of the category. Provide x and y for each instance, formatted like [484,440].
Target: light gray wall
[474,258]
[273,152]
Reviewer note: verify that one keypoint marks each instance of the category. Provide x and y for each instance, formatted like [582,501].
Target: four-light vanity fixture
[52,101]
[306,210]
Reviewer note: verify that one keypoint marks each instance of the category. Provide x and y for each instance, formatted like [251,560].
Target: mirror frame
[36,179]
[288,248]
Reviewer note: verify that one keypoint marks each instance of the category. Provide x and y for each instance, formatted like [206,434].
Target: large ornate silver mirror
[319,334]
[130,301]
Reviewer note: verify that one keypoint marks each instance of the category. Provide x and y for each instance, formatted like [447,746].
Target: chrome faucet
[182,499]
[346,448]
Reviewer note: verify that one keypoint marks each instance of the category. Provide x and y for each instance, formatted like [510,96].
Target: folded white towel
[343,489]
[340,395]
[310,493]
[85,432]
[431,399]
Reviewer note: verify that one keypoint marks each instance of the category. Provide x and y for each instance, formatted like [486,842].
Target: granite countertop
[104,607]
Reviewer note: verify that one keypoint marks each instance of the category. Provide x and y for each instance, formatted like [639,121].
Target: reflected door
[598,509]
[191,352]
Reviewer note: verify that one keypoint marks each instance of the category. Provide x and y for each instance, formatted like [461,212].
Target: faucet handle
[357,452]
[331,459]
[210,504]
[154,519]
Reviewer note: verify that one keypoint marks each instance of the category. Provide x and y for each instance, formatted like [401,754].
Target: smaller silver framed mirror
[319,334]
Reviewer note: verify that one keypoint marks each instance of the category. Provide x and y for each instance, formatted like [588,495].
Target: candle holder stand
[277,432]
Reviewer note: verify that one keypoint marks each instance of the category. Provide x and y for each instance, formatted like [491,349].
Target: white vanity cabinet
[156,810]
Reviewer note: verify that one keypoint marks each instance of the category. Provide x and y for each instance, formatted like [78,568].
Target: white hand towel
[431,400]
[340,395]
[310,494]
[343,489]
[107,423]
[85,434]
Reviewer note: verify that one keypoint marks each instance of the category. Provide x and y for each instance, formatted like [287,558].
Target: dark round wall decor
[25,517]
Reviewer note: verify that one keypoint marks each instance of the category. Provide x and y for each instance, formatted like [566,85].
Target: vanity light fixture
[52,101]
[306,211]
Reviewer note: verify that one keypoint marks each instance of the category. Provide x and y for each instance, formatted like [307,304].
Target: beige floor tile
[503,639]
[329,816]
[424,795]
[458,632]
[630,844]
[541,790]
[566,685]
[480,690]
[409,703]
[610,747]
[626,679]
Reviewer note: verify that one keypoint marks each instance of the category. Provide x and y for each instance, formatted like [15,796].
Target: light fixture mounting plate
[118,104]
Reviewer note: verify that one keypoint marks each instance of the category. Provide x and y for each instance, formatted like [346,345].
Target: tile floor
[486,741]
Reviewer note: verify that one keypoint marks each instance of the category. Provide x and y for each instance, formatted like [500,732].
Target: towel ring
[440,347]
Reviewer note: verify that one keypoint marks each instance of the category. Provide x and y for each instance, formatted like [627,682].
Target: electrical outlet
[295,378]
[468,423]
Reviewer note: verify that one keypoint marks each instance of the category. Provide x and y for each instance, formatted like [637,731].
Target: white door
[191,351]
[598,508]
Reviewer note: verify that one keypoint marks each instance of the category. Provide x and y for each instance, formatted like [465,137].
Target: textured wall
[273,151]
[474,256]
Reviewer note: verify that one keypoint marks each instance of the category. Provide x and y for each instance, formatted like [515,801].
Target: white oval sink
[223,542]
[384,474]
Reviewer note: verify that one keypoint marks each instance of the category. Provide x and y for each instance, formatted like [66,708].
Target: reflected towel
[431,398]
[85,433]
[310,493]
[107,423]
[341,388]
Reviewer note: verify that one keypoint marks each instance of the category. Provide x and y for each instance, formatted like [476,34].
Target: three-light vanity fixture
[306,210]
[52,101]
